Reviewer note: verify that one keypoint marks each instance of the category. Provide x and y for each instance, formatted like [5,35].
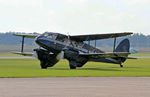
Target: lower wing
[24,53]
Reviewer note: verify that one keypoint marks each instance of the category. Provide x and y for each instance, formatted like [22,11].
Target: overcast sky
[75,16]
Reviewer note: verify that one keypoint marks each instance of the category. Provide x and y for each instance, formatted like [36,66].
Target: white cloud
[76,1]
[74,16]
[121,16]
[99,14]
[137,2]
[43,17]
[21,3]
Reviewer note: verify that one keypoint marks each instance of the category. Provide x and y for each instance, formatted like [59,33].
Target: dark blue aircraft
[56,46]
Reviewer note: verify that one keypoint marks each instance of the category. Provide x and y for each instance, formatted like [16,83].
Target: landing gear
[46,59]
[121,65]
[72,65]
[43,65]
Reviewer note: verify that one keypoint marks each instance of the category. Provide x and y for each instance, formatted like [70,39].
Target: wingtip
[129,33]
[14,34]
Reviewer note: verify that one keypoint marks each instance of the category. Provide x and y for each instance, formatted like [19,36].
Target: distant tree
[137,40]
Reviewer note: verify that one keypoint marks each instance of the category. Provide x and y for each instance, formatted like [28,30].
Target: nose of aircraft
[46,43]
[38,40]
[43,42]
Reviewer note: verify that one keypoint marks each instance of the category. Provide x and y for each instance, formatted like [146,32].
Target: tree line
[136,40]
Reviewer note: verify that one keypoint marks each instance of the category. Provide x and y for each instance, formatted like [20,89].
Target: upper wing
[98,36]
[106,55]
[27,35]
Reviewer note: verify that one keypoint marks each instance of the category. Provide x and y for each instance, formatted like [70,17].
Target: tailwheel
[121,65]
[43,65]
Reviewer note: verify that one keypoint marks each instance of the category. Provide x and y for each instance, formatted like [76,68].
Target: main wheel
[121,65]
[43,65]
[72,65]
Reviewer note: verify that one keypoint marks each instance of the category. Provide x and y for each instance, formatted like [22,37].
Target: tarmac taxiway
[75,87]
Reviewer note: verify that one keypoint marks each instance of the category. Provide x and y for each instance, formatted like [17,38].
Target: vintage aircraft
[56,46]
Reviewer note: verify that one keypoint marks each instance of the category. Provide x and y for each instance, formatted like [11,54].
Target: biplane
[55,46]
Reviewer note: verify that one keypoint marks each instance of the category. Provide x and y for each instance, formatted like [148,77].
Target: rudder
[124,46]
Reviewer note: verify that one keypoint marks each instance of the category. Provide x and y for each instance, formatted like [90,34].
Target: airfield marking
[75,87]
[143,57]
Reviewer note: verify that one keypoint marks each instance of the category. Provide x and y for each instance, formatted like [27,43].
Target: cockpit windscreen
[50,35]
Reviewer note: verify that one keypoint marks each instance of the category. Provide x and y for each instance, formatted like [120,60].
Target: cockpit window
[61,38]
[50,35]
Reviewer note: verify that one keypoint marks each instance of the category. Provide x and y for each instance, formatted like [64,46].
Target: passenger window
[49,37]
[54,37]
[46,34]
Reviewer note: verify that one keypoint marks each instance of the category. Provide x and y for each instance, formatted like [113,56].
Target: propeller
[60,56]
[68,35]
[35,56]
[65,50]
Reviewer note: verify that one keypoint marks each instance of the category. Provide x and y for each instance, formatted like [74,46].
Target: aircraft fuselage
[56,42]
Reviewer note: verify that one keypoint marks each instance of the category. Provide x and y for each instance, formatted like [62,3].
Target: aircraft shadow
[98,69]
[101,69]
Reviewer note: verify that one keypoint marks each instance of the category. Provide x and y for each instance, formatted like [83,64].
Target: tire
[43,65]
[121,65]
[72,65]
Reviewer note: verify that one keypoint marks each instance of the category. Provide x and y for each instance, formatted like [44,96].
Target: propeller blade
[35,55]
[60,55]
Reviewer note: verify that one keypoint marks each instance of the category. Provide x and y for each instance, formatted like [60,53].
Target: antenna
[68,35]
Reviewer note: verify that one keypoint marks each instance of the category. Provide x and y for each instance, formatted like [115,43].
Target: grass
[9,55]
[31,68]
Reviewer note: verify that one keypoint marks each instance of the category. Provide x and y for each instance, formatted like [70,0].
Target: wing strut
[89,44]
[22,45]
[95,43]
[115,39]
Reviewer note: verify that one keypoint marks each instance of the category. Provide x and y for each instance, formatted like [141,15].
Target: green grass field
[10,55]
[31,68]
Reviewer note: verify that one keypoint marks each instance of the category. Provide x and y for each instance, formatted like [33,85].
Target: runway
[143,57]
[15,57]
[75,87]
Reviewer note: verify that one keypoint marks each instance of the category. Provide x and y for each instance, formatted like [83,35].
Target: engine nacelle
[47,58]
[71,54]
[73,57]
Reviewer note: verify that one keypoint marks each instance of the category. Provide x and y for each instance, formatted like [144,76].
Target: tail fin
[124,46]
